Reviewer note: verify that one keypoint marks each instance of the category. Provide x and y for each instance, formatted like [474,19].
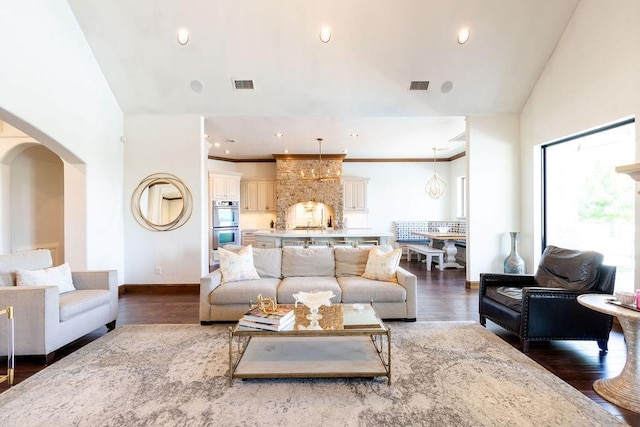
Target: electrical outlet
[158,270]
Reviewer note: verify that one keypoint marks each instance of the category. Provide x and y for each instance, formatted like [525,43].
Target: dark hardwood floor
[441,296]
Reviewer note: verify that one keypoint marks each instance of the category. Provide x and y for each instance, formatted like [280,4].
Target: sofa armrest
[555,312]
[542,292]
[36,313]
[409,281]
[99,279]
[512,280]
[207,284]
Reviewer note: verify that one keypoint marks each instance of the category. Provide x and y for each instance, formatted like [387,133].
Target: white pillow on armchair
[59,276]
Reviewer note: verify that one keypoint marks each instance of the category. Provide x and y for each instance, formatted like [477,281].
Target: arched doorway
[32,195]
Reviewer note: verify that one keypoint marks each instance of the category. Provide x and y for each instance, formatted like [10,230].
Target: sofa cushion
[569,269]
[382,264]
[361,290]
[32,260]
[304,262]
[237,266]
[268,262]
[293,285]
[244,291]
[59,276]
[507,296]
[77,302]
[350,261]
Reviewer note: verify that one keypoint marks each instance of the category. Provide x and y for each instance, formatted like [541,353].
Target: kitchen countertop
[322,233]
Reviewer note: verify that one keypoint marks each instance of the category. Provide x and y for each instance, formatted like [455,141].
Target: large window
[587,205]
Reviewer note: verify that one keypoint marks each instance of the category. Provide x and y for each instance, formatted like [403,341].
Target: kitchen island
[348,237]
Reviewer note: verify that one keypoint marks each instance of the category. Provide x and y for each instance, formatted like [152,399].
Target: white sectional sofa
[46,319]
[285,271]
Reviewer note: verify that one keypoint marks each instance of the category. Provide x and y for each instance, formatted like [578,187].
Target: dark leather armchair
[544,307]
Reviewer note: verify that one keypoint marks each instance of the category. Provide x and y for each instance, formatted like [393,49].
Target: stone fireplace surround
[292,189]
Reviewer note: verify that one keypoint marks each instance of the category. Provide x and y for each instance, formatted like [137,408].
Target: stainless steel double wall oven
[226,223]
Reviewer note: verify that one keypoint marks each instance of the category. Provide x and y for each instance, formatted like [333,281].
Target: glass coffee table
[353,342]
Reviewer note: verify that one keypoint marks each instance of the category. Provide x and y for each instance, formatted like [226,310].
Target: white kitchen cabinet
[248,238]
[258,196]
[267,195]
[264,244]
[355,194]
[249,196]
[225,185]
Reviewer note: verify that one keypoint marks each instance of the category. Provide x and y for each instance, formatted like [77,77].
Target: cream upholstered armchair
[45,318]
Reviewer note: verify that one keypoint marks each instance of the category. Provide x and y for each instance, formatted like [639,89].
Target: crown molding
[338,156]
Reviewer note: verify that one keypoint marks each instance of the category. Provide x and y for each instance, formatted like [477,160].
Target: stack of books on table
[256,318]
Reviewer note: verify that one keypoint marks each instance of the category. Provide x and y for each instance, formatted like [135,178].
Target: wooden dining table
[450,249]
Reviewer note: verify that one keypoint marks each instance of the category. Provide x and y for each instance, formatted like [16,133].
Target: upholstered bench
[404,230]
[403,235]
[429,252]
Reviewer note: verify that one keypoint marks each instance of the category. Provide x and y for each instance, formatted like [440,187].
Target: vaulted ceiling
[357,83]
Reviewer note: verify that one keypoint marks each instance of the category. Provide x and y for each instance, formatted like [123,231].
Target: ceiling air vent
[243,84]
[419,85]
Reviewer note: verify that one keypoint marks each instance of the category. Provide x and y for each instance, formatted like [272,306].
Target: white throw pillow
[382,265]
[59,276]
[237,266]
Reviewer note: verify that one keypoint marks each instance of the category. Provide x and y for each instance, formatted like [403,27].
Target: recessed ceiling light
[286,151]
[325,34]
[183,36]
[345,151]
[216,144]
[463,35]
[279,134]
[446,86]
[355,135]
[226,151]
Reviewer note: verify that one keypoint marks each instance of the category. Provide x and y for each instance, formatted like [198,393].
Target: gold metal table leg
[11,347]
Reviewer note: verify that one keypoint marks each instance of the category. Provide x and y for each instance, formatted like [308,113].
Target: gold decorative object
[435,186]
[11,350]
[322,175]
[313,300]
[268,305]
[332,317]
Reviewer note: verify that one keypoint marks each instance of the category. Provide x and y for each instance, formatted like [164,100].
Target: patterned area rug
[444,373]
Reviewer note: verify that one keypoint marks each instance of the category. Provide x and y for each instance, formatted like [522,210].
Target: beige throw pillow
[350,261]
[237,266]
[59,276]
[382,265]
[308,262]
[267,261]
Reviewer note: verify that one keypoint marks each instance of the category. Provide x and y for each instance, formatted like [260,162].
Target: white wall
[591,80]
[494,186]
[396,192]
[457,168]
[37,200]
[53,90]
[175,145]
